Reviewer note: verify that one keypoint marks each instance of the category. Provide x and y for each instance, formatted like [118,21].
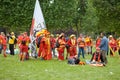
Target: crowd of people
[48,45]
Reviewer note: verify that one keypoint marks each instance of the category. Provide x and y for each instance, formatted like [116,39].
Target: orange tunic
[61,49]
[45,48]
[4,43]
[81,43]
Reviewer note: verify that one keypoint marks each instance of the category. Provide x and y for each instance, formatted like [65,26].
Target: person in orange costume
[88,44]
[72,42]
[20,37]
[27,38]
[118,45]
[81,46]
[45,46]
[112,45]
[4,42]
[61,48]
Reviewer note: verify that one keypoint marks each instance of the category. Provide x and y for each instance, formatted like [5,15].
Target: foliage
[82,15]
[108,12]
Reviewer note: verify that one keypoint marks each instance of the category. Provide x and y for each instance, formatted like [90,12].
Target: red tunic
[98,41]
[72,44]
[4,43]
[113,44]
[24,47]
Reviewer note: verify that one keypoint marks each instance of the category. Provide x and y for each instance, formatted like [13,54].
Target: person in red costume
[20,37]
[4,43]
[72,42]
[61,48]
[88,44]
[112,45]
[96,57]
[24,47]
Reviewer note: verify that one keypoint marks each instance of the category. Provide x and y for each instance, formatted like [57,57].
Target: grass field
[35,69]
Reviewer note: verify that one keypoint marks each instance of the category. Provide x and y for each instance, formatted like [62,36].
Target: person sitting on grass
[74,60]
[96,58]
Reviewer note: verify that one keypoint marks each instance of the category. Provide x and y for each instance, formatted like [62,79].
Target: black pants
[103,57]
[11,47]
[119,51]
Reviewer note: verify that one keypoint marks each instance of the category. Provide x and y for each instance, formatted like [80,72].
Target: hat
[25,32]
[39,33]
[72,36]
[12,32]
[52,35]
[110,36]
[57,35]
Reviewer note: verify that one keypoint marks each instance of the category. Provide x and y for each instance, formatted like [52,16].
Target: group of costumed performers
[44,45]
[23,43]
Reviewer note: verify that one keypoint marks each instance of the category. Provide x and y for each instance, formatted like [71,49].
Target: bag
[15,41]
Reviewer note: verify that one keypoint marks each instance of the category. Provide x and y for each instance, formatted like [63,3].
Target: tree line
[86,16]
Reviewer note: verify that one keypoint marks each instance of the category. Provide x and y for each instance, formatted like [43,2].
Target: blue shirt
[104,44]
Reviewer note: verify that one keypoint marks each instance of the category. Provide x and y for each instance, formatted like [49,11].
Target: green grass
[35,69]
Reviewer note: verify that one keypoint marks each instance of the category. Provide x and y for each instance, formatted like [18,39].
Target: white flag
[38,24]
